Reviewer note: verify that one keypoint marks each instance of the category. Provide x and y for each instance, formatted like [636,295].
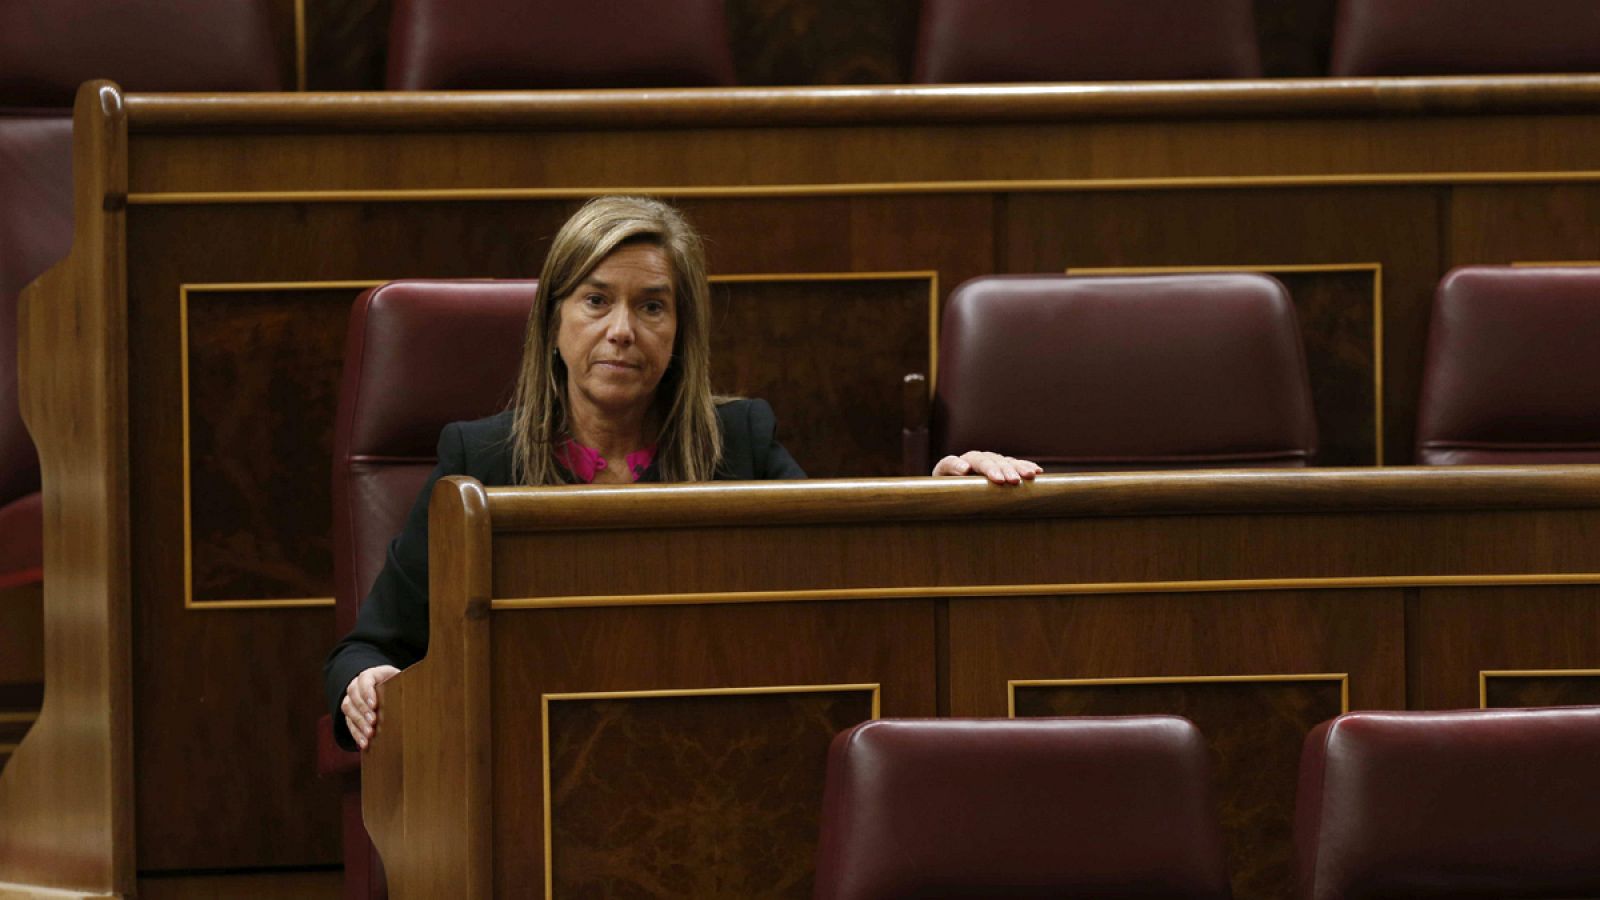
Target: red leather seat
[1150,372]
[1085,40]
[1510,374]
[418,356]
[1089,807]
[1465,37]
[476,44]
[1462,805]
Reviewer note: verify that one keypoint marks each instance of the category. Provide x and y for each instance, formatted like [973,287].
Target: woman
[615,387]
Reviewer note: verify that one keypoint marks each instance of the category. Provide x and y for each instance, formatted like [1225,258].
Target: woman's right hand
[360,704]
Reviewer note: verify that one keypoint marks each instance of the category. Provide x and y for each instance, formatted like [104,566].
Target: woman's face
[615,331]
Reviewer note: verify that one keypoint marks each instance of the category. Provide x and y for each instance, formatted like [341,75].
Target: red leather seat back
[467,44]
[418,356]
[1085,40]
[1510,374]
[35,232]
[1465,37]
[1145,372]
[1108,807]
[1462,805]
[48,49]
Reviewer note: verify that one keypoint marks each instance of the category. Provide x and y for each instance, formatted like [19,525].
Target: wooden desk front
[631,691]
[179,367]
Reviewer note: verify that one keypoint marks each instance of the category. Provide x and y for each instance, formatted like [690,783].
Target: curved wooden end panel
[66,797]
[426,782]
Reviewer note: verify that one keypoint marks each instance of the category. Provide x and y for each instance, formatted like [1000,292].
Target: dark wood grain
[1465,631]
[1547,689]
[346,44]
[1254,730]
[688,648]
[730,783]
[263,382]
[830,356]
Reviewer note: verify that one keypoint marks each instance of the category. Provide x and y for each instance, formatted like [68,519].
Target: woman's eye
[595,300]
[655,308]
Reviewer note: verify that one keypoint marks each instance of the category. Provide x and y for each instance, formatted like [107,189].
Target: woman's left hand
[998,469]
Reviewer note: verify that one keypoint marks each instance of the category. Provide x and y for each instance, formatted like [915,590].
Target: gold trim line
[1046,589]
[390,195]
[1485,674]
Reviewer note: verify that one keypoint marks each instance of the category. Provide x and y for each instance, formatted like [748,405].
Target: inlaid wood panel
[1462,632]
[1254,728]
[627,771]
[691,795]
[1549,688]
[263,379]
[830,356]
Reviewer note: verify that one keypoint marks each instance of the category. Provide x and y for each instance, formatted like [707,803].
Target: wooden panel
[1525,223]
[731,782]
[690,648]
[263,378]
[1550,688]
[831,357]
[1462,632]
[1254,729]
[346,43]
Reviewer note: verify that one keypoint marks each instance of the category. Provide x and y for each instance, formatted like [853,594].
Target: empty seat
[1465,37]
[418,356]
[1150,372]
[1464,805]
[1087,807]
[1510,375]
[48,49]
[1085,40]
[482,44]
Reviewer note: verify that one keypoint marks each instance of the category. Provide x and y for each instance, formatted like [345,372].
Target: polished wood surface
[67,794]
[249,218]
[660,692]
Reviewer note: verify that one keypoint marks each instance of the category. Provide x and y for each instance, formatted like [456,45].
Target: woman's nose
[619,326]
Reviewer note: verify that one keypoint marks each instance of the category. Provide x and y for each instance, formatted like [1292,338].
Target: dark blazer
[392,627]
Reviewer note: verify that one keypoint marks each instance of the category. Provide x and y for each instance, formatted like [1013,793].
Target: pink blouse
[586,462]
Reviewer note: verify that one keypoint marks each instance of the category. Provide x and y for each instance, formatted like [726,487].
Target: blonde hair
[689,444]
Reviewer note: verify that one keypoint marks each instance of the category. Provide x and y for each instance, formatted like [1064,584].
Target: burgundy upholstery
[1510,374]
[1147,372]
[1085,40]
[1465,37]
[418,356]
[21,541]
[1468,804]
[466,44]
[1087,807]
[35,232]
[48,49]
